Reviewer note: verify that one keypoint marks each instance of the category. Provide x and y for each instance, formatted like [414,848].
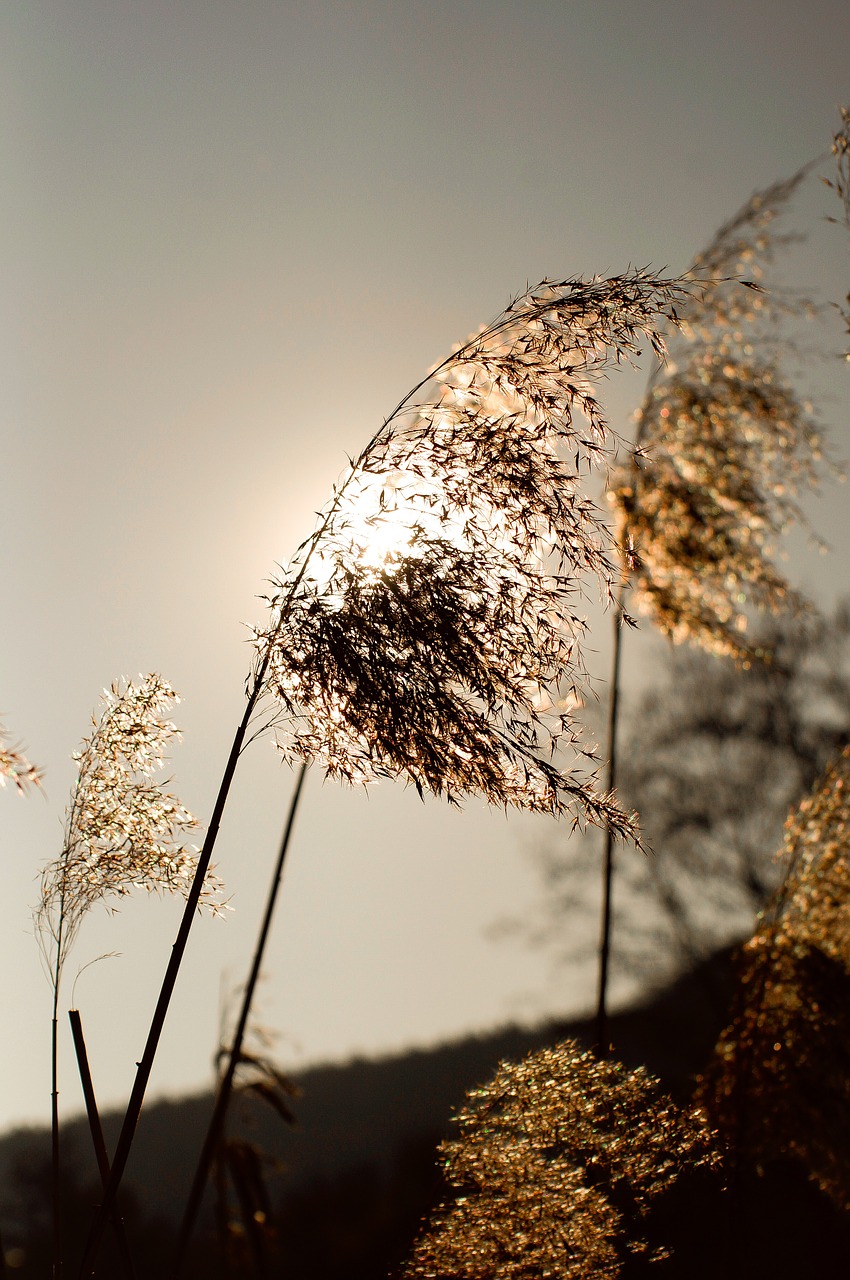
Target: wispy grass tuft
[123,830]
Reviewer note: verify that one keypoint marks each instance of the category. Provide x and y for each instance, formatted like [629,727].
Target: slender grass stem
[602,1045]
[225,1087]
[55,1190]
[96,1130]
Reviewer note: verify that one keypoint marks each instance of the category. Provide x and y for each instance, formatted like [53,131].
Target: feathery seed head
[725,447]
[431,627]
[123,830]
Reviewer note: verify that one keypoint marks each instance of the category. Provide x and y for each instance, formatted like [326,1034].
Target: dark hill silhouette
[358,1170]
[357,1112]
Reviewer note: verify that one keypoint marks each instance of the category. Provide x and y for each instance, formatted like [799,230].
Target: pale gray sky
[233,236]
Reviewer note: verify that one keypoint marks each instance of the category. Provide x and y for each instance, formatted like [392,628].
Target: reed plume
[779,1084]
[123,830]
[725,445]
[431,628]
[560,1160]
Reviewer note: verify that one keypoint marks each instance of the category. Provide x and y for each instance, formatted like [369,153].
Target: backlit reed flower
[556,1170]
[779,1084]
[724,448]
[431,628]
[15,767]
[123,830]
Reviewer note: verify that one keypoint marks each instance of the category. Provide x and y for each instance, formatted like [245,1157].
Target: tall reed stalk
[96,1131]
[601,1038]
[55,1183]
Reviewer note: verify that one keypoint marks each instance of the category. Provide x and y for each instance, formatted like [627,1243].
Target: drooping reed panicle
[431,629]
[725,445]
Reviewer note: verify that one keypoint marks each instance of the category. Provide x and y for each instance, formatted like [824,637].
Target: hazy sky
[233,236]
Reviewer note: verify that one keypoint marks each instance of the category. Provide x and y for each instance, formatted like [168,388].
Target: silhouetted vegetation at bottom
[775,1224]
[374,1217]
[360,1172]
[27,1226]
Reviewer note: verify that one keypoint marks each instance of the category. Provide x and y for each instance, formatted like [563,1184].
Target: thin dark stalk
[145,1064]
[603,1046]
[96,1130]
[55,1191]
[225,1087]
